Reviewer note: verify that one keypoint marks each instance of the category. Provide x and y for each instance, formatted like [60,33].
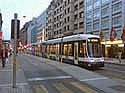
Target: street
[45,78]
[114,71]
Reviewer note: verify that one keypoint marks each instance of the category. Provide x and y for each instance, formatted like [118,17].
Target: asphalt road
[114,71]
[45,78]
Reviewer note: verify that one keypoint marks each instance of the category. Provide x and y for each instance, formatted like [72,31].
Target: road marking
[8,70]
[49,78]
[18,84]
[62,88]
[39,89]
[83,87]
[94,79]
[44,89]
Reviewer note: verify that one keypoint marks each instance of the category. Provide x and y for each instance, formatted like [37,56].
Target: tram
[80,49]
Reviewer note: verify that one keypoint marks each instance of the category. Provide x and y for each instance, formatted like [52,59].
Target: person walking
[2,56]
[6,55]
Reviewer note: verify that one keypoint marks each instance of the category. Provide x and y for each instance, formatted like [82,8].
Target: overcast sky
[28,8]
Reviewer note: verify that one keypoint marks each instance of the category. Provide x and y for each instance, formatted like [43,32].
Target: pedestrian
[2,55]
[6,55]
[119,56]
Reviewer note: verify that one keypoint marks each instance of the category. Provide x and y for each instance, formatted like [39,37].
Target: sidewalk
[95,80]
[6,79]
[114,61]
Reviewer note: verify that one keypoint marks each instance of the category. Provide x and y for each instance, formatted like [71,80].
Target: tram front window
[94,49]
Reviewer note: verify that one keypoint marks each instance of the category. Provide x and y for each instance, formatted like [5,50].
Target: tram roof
[58,40]
[79,37]
[35,43]
[40,43]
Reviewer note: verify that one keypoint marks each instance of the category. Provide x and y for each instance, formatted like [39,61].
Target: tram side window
[68,49]
[53,49]
[82,50]
[65,49]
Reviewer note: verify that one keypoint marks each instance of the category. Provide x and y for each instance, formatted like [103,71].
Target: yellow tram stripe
[62,88]
[83,87]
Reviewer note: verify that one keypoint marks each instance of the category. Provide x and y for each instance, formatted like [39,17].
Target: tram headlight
[102,60]
[92,60]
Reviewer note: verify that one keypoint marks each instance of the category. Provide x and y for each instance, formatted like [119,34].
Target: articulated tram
[81,49]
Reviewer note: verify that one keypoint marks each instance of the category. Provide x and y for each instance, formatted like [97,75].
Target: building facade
[102,16]
[65,17]
[32,31]
[41,26]
[23,34]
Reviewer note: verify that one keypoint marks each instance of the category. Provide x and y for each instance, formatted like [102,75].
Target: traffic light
[13,28]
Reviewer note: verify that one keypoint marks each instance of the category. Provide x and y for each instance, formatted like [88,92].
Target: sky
[28,8]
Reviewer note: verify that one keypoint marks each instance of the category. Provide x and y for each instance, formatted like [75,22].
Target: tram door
[76,53]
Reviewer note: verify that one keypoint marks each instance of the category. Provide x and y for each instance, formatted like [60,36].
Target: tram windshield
[94,48]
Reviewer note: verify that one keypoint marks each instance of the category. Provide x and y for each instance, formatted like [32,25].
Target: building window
[81,4]
[61,16]
[105,22]
[68,18]
[105,1]
[61,8]
[60,23]
[89,27]
[65,29]
[89,8]
[65,3]
[119,33]
[96,26]
[81,25]
[54,19]
[65,11]
[65,20]
[117,6]
[88,2]
[60,31]
[57,18]
[81,14]
[89,16]
[76,7]
[68,27]
[68,1]
[57,10]
[76,16]
[96,13]
[68,9]
[75,26]
[116,20]
[96,3]
[54,12]
[105,11]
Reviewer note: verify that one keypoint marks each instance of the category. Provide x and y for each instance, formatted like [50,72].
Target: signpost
[15,24]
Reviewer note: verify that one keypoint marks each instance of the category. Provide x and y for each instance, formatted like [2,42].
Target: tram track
[113,71]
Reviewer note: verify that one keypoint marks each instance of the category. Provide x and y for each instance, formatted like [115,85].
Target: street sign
[113,34]
[13,28]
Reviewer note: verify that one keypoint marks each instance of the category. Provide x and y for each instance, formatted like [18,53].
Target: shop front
[113,49]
